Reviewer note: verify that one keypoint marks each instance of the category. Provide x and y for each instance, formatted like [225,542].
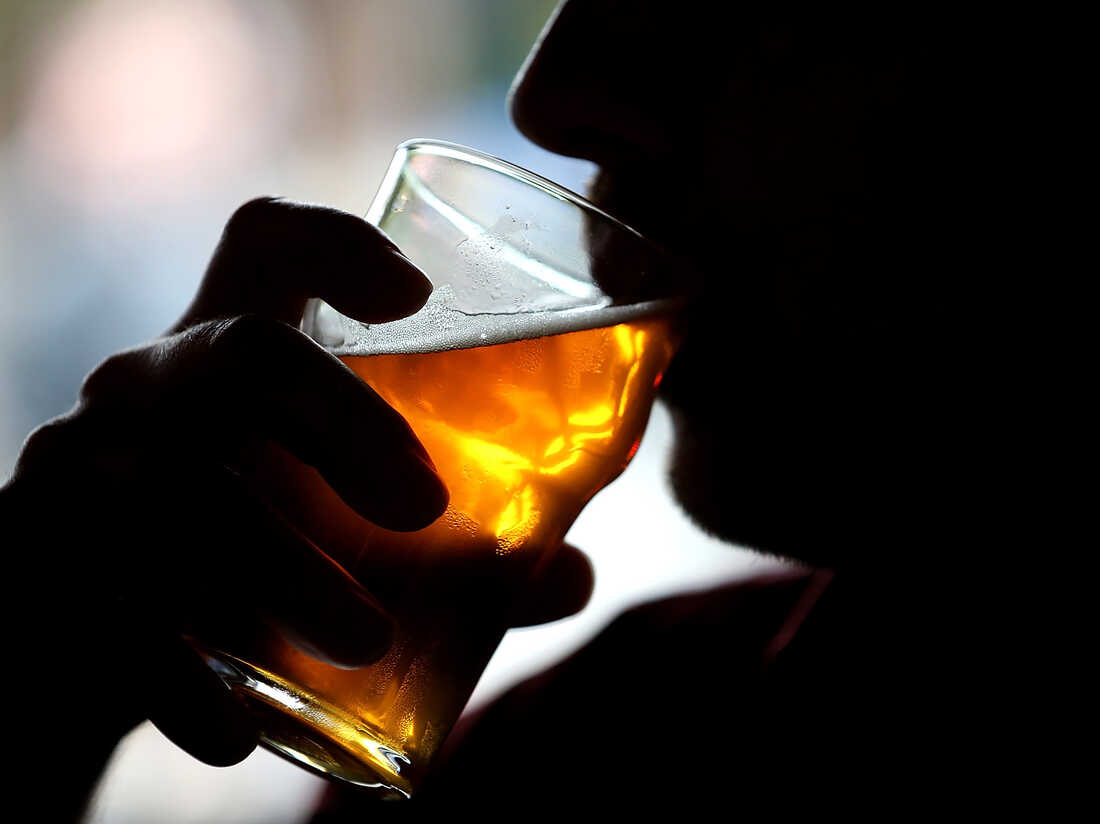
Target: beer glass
[529,377]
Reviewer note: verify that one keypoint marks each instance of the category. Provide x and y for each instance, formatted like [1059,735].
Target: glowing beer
[524,433]
[529,387]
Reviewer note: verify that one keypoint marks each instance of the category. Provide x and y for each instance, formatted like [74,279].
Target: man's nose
[593,87]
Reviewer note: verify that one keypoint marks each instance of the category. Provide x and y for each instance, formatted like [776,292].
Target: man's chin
[723,491]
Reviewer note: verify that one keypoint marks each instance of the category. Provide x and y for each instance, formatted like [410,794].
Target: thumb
[562,588]
[194,708]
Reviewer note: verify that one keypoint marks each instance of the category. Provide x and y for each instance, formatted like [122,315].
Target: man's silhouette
[822,414]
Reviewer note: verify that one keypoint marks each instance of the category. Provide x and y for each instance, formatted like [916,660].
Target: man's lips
[605,190]
[643,203]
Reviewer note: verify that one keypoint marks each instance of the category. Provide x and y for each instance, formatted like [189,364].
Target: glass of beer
[528,376]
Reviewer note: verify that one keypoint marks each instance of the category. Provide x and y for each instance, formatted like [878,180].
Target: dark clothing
[779,692]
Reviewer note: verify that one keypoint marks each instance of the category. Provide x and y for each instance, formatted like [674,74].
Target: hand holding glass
[530,387]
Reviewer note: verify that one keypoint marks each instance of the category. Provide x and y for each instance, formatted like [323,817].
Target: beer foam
[439,326]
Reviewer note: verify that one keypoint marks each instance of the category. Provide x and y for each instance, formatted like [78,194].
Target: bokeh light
[136,96]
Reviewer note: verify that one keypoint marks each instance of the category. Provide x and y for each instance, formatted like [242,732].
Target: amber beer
[523,433]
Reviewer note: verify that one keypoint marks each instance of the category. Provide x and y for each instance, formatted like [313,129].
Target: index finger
[274,255]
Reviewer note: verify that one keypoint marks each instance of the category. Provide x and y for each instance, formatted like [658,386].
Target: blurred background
[129,132]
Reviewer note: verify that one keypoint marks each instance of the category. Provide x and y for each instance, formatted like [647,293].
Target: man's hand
[138,523]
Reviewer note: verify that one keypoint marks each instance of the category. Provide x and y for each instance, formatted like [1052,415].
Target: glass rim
[457,151]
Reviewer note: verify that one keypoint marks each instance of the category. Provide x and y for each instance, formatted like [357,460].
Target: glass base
[315,734]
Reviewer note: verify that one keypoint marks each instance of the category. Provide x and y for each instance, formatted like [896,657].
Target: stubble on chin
[730,493]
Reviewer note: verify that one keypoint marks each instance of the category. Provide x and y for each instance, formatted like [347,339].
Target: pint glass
[529,381]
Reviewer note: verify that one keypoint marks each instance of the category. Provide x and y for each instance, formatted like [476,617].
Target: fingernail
[364,635]
[370,639]
[379,628]
[418,282]
[436,495]
[398,288]
[421,493]
[385,237]
[417,448]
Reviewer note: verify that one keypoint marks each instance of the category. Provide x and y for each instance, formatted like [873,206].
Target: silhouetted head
[806,166]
